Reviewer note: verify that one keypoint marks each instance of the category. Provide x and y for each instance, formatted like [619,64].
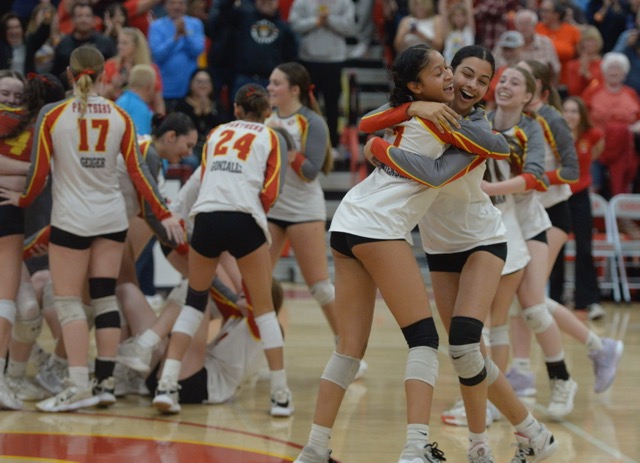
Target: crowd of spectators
[202,51]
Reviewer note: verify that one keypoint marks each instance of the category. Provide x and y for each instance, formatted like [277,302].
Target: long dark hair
[406,69]
[544,74]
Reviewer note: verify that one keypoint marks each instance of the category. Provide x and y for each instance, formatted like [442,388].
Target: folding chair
[603,246]
[625,218]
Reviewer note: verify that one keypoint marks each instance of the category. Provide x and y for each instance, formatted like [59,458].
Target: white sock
[16,369]
[319,438]
[418,434]
[477,438]
[278,380]
[594,342]
[171,370]
[149,339]
[529,427]
[79,376]
[521,364]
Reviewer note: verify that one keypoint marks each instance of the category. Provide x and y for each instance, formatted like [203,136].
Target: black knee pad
[108,320]
[196,299]
[465,330]
[422,333]
[102,287]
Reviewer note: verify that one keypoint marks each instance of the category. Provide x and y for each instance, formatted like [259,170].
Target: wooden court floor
[371,425]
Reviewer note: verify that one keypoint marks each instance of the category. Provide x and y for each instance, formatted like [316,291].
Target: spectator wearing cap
[509,46]
[536,47]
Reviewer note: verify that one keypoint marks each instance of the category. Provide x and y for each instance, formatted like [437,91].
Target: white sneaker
[596,312]
[480,453]
[71,398]
[562,395]
[167,399]
[39,357]
[538,448]
[25,389]
[281,403]
[106,392]
[457,415]
[362,370]
[309,455]
[52,376]
[605,363]
[359,50]
[430,453]
[134,356]
[8,400]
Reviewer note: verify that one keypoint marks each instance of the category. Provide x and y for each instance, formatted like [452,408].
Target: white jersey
[302,198]
[517,252]
[241,171]
[462,217]
[187,196]
[387,206]
[233,356]
[87,200]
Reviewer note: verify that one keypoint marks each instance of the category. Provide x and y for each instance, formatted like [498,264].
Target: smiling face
[11,91]
[435,81]
[470,83]
[179,146]
[126,45]
[281,93]
[511,91]
[571,113]
[15,33]
[201,84]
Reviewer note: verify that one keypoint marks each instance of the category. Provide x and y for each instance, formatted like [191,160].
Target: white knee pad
[552,305]
[270,332]
[27,331]
[323,292]
[106,312]
[27,302]
[8,310]
[486,336]
[179,293]
[537,318]
[500,336]
[514,308]
[68,309]
[188,321]
[468,363]
[422,365]
[492,371]
[341,369]
[47,295]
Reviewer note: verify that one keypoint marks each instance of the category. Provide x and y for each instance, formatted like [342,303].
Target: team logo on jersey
[264,32]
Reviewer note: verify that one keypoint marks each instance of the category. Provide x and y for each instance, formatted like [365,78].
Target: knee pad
[47,295]
[499,336]
[102,287]
[514,308]
[270,332]
[486,336]
[422,333]
[197,299]
[464,349]
[492,371]
[552,305]
[179,293]
[27,331]
[26,302]
[341,369]
[537,318]
[323,292]
[422,365]
[188,321]
[106,312]
[8,310]
[68,309]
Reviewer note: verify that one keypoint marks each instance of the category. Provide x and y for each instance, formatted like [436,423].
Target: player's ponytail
[86,66]
[254,101]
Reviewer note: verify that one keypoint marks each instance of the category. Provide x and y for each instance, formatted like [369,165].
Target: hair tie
[84,72]
[33,75]
[312,97]
[250,92]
